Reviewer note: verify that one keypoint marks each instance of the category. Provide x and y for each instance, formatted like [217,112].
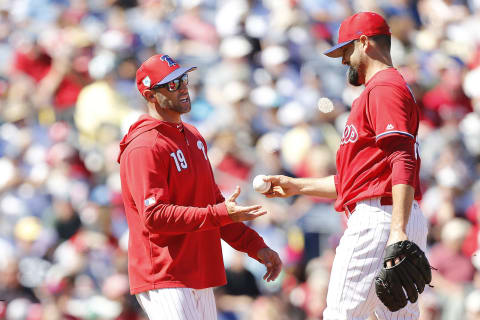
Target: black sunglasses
[175,84]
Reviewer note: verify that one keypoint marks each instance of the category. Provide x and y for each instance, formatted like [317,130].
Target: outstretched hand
[281,187]
[272,261]
[240,213]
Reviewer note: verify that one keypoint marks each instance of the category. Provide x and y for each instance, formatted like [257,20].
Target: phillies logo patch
[350,134]
[149,201]
[169,60]
[146,82]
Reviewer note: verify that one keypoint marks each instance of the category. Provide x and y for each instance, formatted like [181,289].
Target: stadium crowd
[68,95]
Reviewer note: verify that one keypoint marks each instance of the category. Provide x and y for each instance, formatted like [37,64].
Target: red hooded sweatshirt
[175,211]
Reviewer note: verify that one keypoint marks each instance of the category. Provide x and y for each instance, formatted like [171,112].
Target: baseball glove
[410,275]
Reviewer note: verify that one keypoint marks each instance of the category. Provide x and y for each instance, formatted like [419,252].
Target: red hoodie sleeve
[149,190]
[242,238]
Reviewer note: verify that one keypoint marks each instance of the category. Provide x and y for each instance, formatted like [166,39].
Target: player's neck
[377,66]
[165,115]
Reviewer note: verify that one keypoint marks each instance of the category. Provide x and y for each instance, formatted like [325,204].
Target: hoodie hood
[144,123]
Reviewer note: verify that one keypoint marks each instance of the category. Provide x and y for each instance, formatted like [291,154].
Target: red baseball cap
[353,27]
[159,69]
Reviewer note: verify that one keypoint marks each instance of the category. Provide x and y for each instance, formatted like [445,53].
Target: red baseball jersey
[386,109]
[175,211]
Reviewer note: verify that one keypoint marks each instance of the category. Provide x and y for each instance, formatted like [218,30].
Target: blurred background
[68,95]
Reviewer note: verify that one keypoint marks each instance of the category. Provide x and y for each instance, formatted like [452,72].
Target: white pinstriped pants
[178,304]
[359,257]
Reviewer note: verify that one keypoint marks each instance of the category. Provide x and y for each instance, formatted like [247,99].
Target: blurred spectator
[67,222]
[472,241]
[239,292]
[446,103]
[311,296]
[240,280]
[11,288]
[447,258]
[453,269]
[472,306]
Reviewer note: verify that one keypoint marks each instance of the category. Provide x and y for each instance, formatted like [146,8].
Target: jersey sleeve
[146,176]
[392,112]
[401,158]
[242,238]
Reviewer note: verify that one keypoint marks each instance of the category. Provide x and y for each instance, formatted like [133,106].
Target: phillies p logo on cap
[169,60]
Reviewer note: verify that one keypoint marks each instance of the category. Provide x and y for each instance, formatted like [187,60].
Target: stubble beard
[182,108]
[177,107]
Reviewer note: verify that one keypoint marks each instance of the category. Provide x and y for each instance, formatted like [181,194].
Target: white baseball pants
[178,304]
[359,257]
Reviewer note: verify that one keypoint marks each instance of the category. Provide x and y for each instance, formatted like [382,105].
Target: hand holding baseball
[281,187]
[260,185]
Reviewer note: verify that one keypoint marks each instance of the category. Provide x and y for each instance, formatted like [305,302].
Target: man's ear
[149,95]
[364,42]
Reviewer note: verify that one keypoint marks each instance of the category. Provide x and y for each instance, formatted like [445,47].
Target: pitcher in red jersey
[175,212]
[377,180]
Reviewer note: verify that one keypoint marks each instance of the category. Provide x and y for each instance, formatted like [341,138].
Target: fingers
[255,215]
[397,290]
[272,179]
[241,209]
[235,194]
[273,270]
[269,270]
[407,275]
[247,213]
[270,195]
[241,213]
[274,266]
[276,191]
[390,263]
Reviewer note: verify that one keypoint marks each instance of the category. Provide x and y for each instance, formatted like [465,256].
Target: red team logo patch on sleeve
[350,134]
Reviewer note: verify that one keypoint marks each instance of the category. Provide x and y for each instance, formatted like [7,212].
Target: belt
[384,201]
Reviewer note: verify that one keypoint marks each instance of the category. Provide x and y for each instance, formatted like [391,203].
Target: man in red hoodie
[175,211]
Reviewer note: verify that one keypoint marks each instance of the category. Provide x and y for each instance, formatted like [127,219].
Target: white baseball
[325,105]
[261,185]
